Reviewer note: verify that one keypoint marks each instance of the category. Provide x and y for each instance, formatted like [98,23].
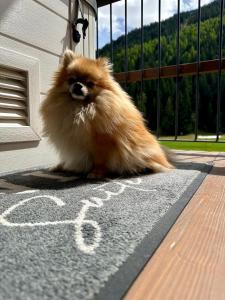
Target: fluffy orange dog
[93,123]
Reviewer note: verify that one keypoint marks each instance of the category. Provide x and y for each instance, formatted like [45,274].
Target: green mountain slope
[168,27]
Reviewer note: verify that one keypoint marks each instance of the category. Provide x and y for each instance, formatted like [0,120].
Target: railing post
[198,72]
[97,45]
[159,75]
[125,45]
[142,53]
[219,91]
[178,71]
[111,39]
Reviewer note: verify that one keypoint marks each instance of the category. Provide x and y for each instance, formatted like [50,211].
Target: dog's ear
[68,57]
[104,62]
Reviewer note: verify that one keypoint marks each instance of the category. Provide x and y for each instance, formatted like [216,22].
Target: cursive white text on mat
[80,221]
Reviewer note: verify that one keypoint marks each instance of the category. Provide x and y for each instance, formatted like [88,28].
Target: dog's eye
[71,80]
[90,84]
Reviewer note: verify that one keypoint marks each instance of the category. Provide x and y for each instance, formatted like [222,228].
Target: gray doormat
[67,238]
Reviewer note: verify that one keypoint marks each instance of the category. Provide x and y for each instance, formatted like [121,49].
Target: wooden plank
[210,66]
[190,263]
[31,23]
[195,156]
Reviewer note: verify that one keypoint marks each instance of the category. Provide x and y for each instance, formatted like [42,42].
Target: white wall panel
[32,23]
[60,7]
[40,29]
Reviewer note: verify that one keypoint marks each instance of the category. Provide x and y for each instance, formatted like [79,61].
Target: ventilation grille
[13,98]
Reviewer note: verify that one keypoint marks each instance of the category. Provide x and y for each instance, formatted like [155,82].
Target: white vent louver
[13,98]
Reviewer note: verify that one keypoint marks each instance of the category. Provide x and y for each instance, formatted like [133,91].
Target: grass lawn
[198,146]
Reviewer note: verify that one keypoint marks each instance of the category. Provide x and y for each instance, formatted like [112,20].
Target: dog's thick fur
[102,133]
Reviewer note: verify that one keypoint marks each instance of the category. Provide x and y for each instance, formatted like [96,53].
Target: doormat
[62,237]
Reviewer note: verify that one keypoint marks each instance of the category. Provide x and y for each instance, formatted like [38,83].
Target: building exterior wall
[40,29]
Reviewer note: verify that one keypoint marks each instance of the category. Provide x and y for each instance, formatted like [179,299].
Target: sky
[168,9]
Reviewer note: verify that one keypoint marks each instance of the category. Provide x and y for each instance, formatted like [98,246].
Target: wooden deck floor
[190,262]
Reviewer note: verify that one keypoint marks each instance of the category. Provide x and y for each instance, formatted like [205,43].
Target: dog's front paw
[57,168]
[97,174]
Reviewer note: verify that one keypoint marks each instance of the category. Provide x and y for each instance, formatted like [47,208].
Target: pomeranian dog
[93,123]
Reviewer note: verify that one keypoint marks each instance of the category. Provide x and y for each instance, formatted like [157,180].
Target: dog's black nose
[77,88]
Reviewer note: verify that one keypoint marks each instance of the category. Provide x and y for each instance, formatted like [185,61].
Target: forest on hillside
[209,49]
